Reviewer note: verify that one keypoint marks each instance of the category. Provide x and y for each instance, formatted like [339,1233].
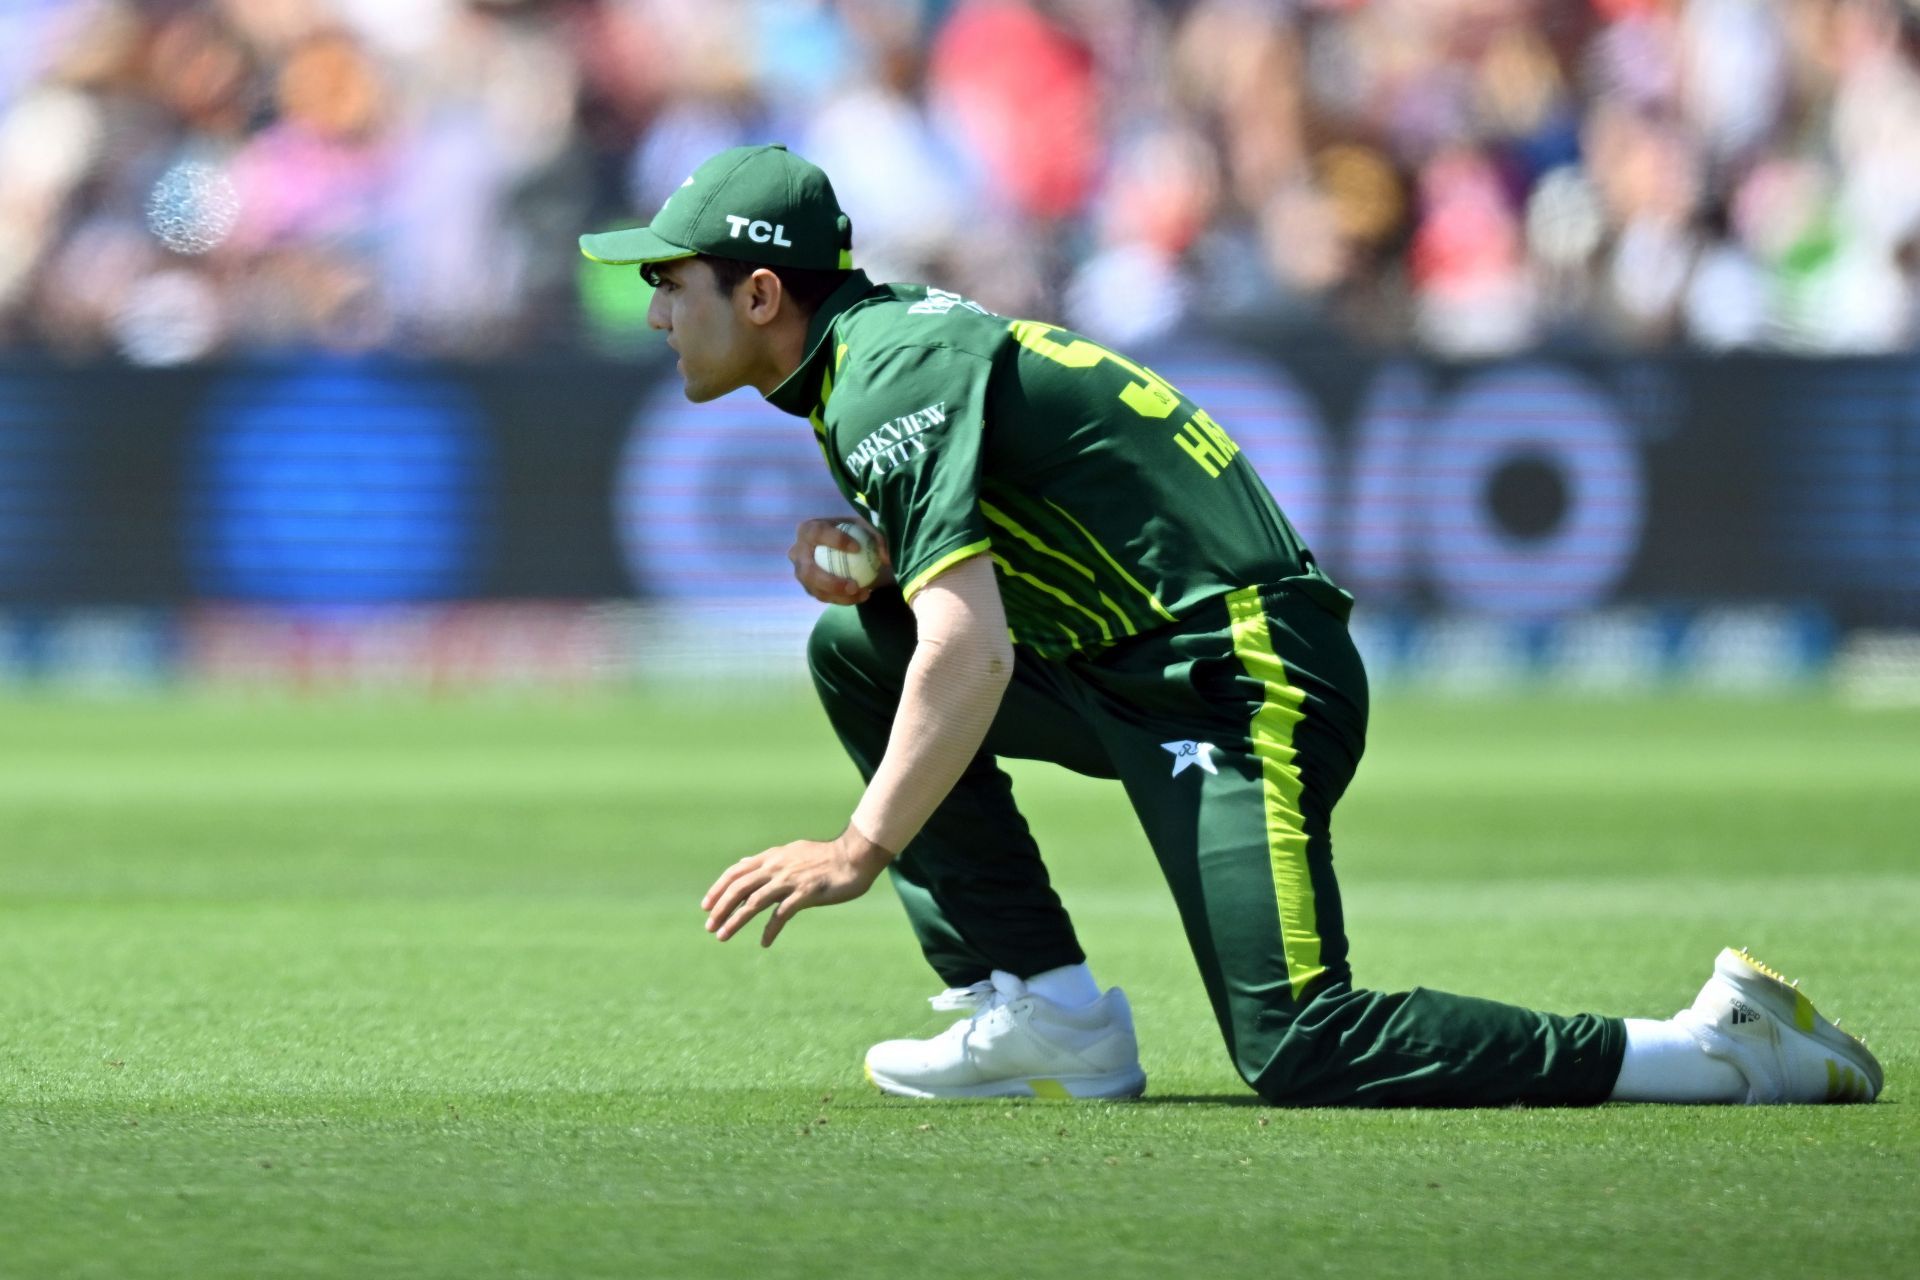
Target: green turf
[367,990]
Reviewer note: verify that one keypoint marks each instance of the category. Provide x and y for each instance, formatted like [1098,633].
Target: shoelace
[980,998]
[976,1001]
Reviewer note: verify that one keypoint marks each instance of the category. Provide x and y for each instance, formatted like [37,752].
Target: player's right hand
[817,582]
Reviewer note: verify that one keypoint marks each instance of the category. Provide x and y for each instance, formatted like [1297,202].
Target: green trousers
[1234,733]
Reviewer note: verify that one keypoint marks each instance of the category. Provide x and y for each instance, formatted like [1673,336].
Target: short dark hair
[805,287]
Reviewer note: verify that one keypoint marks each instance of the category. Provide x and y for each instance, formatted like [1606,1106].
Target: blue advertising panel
[1519,492]
[337,485]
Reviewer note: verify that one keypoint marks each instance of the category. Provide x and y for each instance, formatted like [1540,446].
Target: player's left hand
[806,873]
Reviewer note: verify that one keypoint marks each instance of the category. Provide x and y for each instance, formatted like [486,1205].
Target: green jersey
[1110,503]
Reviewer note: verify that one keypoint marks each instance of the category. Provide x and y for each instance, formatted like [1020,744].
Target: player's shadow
[1195,1099]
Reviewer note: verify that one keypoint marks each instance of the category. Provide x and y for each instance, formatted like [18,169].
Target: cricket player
[1082,568]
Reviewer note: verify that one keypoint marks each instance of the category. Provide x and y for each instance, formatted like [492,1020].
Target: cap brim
[632,247]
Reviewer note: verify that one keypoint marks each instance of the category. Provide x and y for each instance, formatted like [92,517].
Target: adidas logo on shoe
[1743,1013]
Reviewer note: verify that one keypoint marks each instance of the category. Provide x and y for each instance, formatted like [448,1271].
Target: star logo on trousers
[1190,753]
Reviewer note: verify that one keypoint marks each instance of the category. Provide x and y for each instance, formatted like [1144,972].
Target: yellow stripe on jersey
[941,565]
[1106,632]
[1272,737]
[1094,542]
[1013,526]
[818,416]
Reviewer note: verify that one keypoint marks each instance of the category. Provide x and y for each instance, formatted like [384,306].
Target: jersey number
[1203,439]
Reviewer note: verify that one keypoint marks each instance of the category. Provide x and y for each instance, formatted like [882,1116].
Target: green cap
[756,204]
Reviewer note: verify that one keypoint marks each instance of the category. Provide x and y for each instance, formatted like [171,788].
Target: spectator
[184,181]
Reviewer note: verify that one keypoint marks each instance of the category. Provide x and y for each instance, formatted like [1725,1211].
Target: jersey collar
[800,391]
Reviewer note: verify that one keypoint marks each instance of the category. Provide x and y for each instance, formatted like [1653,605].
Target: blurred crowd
[183,179]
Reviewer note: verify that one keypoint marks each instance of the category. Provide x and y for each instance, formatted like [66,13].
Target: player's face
[705,327]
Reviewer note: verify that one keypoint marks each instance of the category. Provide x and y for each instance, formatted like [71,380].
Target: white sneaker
[1016,1044]
[1752,1017]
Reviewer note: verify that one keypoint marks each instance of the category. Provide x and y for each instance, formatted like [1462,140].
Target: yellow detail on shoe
[867,1069]
[943,564]
[1751,959]
[1052,1090]
[1803,1011]
[1844,1084]
[1272,738]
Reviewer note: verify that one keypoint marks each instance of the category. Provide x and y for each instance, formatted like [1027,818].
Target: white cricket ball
[862,566]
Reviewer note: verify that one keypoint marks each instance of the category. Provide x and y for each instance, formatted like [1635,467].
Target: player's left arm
[962,662]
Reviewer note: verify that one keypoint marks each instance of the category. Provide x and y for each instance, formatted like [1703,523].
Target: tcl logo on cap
[757,231]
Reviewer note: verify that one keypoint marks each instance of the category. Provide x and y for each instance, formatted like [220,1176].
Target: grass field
[370,990]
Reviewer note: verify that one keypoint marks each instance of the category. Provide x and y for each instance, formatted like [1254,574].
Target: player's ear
[764,297]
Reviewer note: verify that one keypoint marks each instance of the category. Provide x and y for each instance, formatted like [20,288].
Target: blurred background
[1578,338]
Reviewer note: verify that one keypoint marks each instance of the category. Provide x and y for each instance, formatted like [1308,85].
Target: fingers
[783,911]
[785,900]
[747,888]
[817,582]
[732,889]
[767,895]
[825,587]
[829,588]
[824,533]
[726,878]
[786,881]
[879,543]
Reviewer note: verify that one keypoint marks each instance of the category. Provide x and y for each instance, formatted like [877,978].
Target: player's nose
[657,313]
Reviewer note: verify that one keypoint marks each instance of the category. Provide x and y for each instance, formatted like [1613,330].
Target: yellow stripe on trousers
[1272,737]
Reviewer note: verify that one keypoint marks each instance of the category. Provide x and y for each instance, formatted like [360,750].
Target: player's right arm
[906,434]
[962,663]
[960,669]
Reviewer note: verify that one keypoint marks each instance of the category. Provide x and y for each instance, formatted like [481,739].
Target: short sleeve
[907,427]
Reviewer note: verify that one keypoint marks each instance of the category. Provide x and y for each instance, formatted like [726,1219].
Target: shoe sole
[1785,1001]
[1116,1085]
